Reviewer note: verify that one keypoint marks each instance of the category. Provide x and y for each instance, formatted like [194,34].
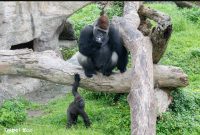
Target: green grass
[105,118]
[108,118]
[84,17]
[184,45]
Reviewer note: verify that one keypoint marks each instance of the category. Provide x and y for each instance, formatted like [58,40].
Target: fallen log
[185,4]
[48,66]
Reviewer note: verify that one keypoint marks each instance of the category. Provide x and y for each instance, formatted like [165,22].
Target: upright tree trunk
[142,95]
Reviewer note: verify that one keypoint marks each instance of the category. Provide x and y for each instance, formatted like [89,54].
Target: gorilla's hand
[123,70]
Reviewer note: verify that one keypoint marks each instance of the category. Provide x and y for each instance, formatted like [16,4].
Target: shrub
[178,119]
[116,9]
[12,112]
[184,101]
[195,52]
[68,52]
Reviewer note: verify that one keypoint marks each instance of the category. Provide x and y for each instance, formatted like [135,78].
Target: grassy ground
[183,117]
[108,118]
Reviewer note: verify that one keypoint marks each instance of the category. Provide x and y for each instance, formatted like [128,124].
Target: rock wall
[24,21]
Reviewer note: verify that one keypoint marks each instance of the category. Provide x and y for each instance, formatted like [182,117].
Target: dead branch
[160,34]
[185,4]
[48,66]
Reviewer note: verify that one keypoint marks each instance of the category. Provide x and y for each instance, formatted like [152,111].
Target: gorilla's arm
[122,60]
[86,44]
[116,44]
[75,85]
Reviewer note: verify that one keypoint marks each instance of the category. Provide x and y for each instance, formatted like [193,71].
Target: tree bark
[141,98]
[145,26]
[163,99]
[160,34]
[48,66]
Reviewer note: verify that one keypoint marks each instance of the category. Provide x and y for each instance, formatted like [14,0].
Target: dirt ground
[43,96]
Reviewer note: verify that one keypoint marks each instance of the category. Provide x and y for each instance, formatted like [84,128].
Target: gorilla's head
[101,29]
[100,35]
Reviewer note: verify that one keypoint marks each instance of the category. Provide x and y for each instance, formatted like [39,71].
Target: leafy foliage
[116,9]
[195,52]
[12,112]
[84,17]
[183,116]
[68,52]
[184,101]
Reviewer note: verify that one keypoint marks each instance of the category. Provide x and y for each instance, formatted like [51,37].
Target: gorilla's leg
[85,117]
[71,119]
[75,118]
[105,60]
[87,64]
[110,64]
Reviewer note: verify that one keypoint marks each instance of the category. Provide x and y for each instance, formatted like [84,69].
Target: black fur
[77,106]
[99,55]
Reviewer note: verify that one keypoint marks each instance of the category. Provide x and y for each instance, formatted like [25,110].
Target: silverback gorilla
[101,48]
[77,106]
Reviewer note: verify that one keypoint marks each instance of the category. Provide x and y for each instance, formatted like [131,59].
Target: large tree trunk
[142,95]
[48,66]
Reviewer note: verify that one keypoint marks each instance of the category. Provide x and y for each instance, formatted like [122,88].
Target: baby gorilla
[77,106]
